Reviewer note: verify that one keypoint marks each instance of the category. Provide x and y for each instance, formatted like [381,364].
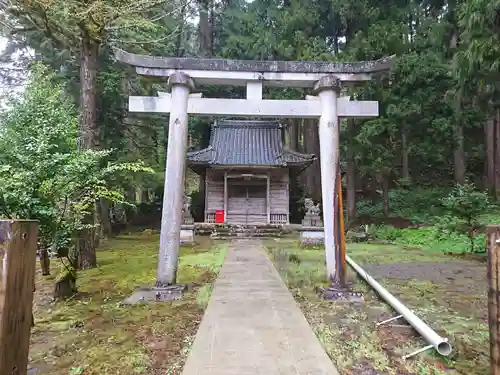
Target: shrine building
[247,169]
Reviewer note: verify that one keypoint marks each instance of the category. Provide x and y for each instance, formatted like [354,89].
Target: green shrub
[419,204]
[465,205]
[431,237]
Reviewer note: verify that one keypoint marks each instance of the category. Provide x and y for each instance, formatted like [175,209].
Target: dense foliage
[43,175]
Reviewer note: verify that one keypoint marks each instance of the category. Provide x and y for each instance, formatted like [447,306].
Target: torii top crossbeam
[239,72]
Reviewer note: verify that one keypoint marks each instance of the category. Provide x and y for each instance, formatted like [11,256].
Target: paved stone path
[253,325]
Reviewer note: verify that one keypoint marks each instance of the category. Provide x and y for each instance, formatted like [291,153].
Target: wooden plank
[18,241]
[279,201]
[249,108]
[493,244]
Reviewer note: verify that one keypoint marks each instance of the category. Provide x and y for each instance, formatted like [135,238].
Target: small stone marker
[187,228]
[312,233]
[148,294]
[312,237]
[187,217]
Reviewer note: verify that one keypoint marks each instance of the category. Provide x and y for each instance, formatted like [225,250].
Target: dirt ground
[93,334]
[448,294]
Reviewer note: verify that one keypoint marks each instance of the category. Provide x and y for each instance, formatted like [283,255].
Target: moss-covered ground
[448,294]
[92,334]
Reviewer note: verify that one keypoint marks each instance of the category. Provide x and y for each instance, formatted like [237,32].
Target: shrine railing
[279,219]
[274,218]
[210,217]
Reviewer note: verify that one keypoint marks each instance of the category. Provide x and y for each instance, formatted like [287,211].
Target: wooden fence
[18,239]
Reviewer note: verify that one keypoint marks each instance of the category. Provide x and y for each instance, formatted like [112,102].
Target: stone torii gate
[181,74]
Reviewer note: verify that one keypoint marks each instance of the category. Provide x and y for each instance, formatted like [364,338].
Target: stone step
[227,238]
[249,232]
[254,235]
[229,229]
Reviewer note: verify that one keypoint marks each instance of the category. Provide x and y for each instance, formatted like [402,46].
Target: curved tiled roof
[252,143]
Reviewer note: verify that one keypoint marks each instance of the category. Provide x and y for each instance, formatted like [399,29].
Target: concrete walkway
[253,325]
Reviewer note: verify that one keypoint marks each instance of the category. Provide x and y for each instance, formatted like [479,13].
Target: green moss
[94,333]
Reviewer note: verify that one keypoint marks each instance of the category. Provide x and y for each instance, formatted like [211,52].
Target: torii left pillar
[181,86]
[166,288]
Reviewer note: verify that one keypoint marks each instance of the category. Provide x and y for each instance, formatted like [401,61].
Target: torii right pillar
[328,89]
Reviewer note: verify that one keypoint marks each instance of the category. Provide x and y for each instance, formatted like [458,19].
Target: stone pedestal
[187,219]
[187,234]
[312,221]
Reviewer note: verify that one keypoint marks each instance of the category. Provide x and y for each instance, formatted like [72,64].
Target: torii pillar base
[156,294]
[339,293]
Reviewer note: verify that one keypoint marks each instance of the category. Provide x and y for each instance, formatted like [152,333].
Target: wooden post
[225,197]
[493,243]
[18,241]
[268,198]
[342,263]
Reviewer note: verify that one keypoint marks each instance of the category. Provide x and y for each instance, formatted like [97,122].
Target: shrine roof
[248,143]
[324,67]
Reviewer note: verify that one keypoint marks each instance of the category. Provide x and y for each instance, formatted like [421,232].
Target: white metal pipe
[439,343]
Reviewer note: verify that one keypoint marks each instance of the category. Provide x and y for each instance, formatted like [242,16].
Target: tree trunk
[489,155]
[496,147]
[459,154]
[104,218]
[385,194]
[44,262]
[313,173]
[65,286]
[405,155]
[293,134]
[88,135]
[316,167]
[301,147]
[205,32]
[351,171]
[88,93]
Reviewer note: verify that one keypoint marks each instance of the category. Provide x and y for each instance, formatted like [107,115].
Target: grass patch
[453,307]
[94,334]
